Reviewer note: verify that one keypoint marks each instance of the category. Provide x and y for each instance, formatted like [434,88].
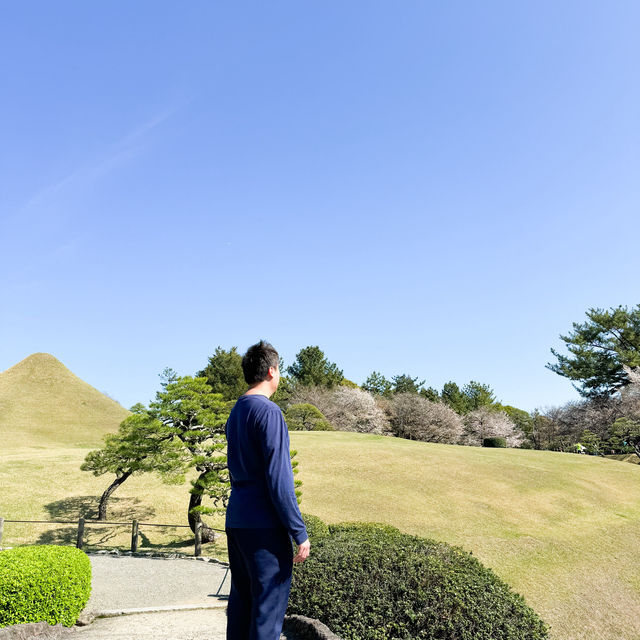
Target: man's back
[262,488]
[263,513]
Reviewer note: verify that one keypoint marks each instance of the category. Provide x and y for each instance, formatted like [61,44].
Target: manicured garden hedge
[316,528]
[43,584]
[306,417]
[496,443]
[364,527]
[374,583]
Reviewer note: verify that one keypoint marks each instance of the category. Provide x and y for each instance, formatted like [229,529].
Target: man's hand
[303,551]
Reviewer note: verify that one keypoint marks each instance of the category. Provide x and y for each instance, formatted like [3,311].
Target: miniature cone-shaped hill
[43,403]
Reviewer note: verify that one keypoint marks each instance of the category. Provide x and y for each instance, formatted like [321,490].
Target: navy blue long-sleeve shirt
[262,489]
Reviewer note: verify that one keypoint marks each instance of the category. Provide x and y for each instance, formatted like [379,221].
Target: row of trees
[405,415]
[602,425]
[314,393]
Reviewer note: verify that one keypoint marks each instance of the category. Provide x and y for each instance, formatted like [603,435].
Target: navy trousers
[261,562]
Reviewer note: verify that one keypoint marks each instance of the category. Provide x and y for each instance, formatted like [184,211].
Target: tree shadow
[146,543]
[71,509]
[69,536]
[127,509]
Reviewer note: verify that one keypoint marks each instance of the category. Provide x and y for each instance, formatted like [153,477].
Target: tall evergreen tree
[472,396]
[478,395]
[404,383]
[599,349]
[430,394]
[377,385]
[453,396]
[224,373]
[311,368]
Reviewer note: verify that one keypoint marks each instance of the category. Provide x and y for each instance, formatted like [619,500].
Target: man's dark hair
[257,360]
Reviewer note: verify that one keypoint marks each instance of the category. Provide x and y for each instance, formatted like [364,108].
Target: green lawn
[562,529]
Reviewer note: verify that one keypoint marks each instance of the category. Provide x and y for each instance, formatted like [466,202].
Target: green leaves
[296,483]
[404,383]
[195,417]
[43,583]
[369,581]
[306,417]
[378,385]
[312,368]
[182,429]
[224,373]
[624,434]
[598,349]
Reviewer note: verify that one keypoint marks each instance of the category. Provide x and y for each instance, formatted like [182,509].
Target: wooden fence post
[80,540]
[198,551]
[1,528]
[134,536]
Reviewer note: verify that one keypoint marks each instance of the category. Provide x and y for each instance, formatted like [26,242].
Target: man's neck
[261,389]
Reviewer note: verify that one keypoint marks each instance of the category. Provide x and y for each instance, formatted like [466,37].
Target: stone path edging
[166,556]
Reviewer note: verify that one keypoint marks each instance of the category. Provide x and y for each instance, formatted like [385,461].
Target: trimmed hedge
[316,528]
[364,527]
[306,417]
[495,443]
[43,584]
[371,584]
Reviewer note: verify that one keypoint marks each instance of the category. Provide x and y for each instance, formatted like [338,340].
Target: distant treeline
[314,394]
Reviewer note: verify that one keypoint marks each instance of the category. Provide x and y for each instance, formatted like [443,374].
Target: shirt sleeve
[279,474]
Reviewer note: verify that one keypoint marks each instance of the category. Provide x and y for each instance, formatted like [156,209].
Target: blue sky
[430,188]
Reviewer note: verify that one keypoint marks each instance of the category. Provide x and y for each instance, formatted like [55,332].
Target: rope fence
[135,529]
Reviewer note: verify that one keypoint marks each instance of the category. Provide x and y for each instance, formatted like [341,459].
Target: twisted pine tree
[141,444]
[196,418]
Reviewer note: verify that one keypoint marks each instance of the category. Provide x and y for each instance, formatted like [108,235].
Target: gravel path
[147,599]
[180,599]
[125,582]
[207,624]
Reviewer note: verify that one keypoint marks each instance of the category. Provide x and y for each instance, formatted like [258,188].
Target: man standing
[263,513]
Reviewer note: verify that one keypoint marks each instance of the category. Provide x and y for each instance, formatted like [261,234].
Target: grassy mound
[43,584]
[42,402]
[373,583]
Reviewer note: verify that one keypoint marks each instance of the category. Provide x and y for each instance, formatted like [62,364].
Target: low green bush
[363,527]
[316,528]
[43,584]
[371,584]
[306,417]
[496,443]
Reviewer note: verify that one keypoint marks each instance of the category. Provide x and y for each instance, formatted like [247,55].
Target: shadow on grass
[120,510]
[175,544]
[124,510]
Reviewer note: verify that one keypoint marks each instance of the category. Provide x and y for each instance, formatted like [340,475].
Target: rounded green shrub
[43,584]
[370,584]
[364,527]
[306,417]
[496,443]
[316,528]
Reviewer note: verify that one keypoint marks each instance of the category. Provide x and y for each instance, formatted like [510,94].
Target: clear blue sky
[432,188]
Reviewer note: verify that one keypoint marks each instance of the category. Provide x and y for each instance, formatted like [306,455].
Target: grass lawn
[562,529]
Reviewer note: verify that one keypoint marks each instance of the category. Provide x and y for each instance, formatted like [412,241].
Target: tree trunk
[102,507]
[208,534]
